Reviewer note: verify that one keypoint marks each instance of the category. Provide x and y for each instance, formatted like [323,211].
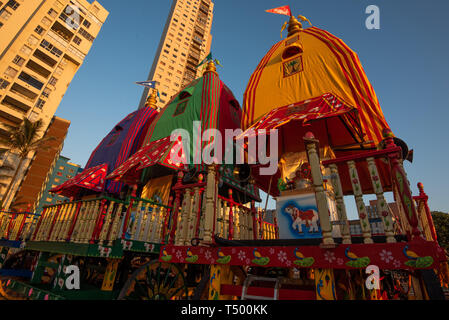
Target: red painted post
[99,220]
[10,225]
[128,212]
[424,197]
[400,179]
[176,208]
[231,216]
[75,218]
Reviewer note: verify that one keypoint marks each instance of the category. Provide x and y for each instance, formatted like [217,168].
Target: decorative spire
[294,26]
[210,67]
[152,101]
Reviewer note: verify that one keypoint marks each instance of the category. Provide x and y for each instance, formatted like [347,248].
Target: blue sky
[406,61]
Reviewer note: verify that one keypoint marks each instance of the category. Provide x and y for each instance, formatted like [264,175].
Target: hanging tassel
[283,27]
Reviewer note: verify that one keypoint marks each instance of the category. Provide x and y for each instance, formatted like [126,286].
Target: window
[18,60]
[11,72]
[39,30]
[57,180]
[86,35]
[13,4]
[1,24]
[46,21]
[53,81]
[87,24]
[49,47]
[77,40]
[46,93]
[26,50]
[32,40]
[40,103]
[31,80]
[71,171]
[59,174]
[4,14]
[69,176]
[3,84]
[52,13]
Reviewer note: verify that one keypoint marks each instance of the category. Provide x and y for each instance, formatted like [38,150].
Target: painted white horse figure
[308,218]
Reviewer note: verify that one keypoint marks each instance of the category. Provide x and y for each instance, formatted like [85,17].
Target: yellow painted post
[320,194]
[146,234]
[107,223]
[93,217]
[79,222]
[137,221]
[144,213]
[156,233]
[325,284]
[110,275]
[219,275]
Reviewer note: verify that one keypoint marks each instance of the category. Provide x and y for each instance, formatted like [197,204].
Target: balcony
[62,33]
[31,81]
[15,103]
[23,92]
[45,58]
[38,69]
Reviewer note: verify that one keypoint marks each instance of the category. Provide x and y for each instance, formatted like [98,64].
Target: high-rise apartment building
[185,42]
[43,43]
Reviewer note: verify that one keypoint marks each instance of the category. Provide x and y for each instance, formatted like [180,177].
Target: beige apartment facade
[43,43]
[185,42]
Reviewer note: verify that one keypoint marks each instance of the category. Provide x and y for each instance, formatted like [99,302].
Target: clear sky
[407,62]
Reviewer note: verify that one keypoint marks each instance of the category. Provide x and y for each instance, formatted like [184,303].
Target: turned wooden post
[53,223]
[105,226]
[146,218]
[320,194]
[425,198]
[400,179]
[128,212]
[176,209]
[74,221]
[115,228]
[98,219]
[382,205]
[340,204]
[210,205]
[198,212]
[361,208]
[193,215]
[185,213]
[166,220]
[254,219]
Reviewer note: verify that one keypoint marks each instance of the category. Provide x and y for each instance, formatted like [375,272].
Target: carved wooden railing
[83,221]
[233,220]
[389,158]
[425,217]
[148,222]
[17,226]
[269,231]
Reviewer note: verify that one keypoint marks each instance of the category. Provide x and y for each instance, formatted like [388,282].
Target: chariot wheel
[155,281]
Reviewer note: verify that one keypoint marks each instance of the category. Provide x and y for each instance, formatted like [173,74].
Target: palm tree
[23,140]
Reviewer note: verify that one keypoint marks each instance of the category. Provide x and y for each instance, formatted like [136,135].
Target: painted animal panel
[307,218]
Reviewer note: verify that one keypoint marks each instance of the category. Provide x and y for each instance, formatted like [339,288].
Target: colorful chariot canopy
[161,152]
[308,64]
[90,179]
[318,108]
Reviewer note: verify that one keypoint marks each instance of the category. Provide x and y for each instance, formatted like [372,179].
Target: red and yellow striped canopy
[307,65]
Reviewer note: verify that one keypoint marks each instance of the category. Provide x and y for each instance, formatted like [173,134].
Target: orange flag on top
[281,10]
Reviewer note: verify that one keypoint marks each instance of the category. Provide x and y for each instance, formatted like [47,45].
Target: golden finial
[211,68]
[294,26]
[152,101]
